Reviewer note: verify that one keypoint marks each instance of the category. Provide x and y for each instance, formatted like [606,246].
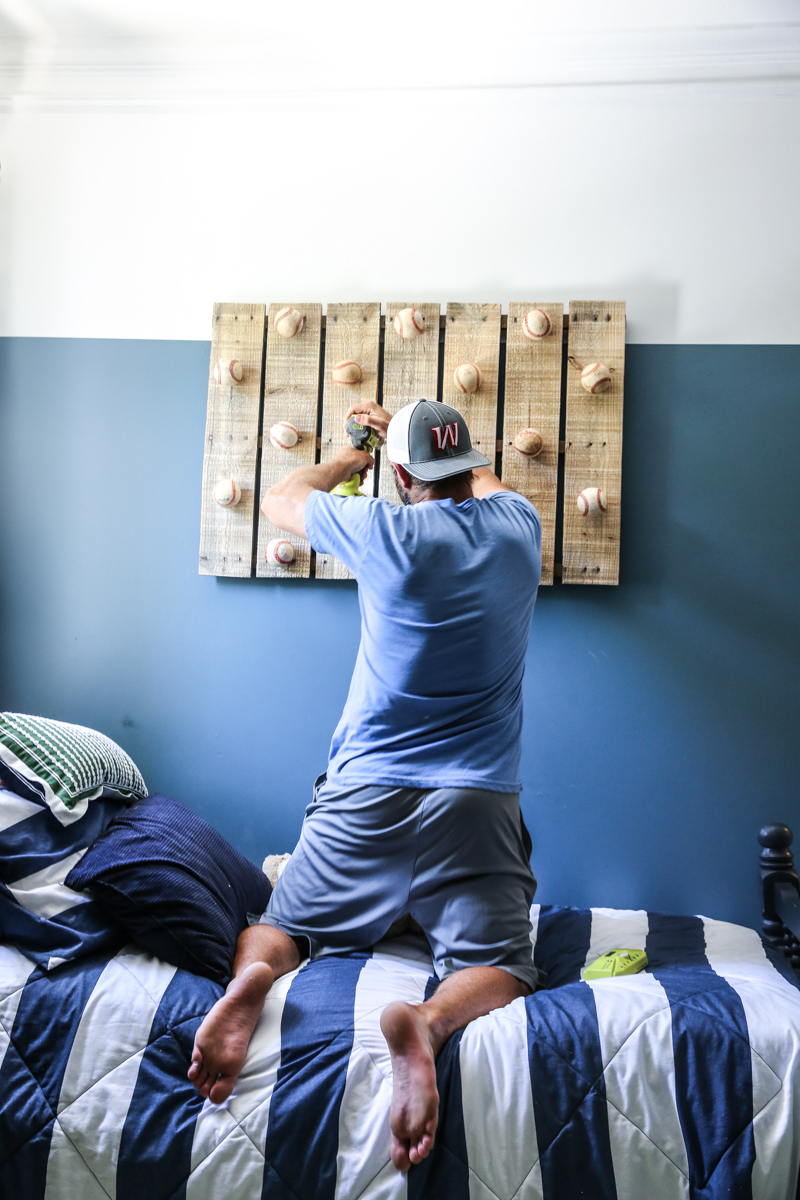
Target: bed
[681,1081]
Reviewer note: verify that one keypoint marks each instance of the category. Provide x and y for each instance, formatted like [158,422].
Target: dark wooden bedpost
[777,867]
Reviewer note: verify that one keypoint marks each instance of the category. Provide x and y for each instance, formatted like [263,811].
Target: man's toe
[198,1072]
[421,1150]
[400,1154]
[221,1090]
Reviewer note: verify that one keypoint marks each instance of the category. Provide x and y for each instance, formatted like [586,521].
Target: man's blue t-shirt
[446,593]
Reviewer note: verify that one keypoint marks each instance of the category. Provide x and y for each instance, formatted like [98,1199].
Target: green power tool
[362,438]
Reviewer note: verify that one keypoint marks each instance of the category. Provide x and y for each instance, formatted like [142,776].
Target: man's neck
[458,493]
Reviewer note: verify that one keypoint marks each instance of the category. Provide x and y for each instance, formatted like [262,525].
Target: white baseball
[467,377]
[279,552]
[409,323]
[592,500]
[347,372]
[596,378]
[283,435]
[228,371]
[227,493]
[288,322]
[536,324]
[529,442]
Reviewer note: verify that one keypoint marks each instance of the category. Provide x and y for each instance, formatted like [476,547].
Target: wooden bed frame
[781,892]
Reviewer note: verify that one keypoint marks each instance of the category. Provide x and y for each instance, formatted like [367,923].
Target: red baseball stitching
[286,312]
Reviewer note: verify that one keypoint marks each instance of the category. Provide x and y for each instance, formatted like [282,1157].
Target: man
[419,813]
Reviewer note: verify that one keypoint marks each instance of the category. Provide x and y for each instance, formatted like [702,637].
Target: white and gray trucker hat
[431,440]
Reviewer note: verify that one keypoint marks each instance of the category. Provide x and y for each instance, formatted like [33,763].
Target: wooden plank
[593,443]
[533,401]
[231,445]
[472,334]
[291,393]
[410,372]
[352,331]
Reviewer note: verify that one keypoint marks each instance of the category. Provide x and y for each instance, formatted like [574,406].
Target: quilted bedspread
[682,1081]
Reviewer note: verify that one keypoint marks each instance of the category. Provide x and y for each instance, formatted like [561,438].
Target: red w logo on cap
[445,434]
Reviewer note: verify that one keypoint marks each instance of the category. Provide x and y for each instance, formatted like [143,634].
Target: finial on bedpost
[777,866]
[776,840]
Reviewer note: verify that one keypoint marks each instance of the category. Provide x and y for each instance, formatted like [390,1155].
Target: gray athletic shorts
[453,859]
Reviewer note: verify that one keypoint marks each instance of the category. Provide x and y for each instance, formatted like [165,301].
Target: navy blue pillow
[174,884]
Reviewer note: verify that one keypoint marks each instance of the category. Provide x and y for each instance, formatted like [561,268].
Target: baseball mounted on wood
[279,552]
[347,373]
[227,493]
[529,442]
[409,323]
[467,377]
[283,435]
[592,500]
[595,378]
[228,371]
[536,324]
[288,322]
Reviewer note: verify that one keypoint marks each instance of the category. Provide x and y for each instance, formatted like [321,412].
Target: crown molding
[135,74]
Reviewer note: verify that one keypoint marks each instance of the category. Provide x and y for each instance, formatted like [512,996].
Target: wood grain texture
[472,334]
[231,445]
[533,401]
[410,372]
[593,443]
[291,393]
[352,331]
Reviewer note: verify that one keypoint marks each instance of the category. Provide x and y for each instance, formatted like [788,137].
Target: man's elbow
[268,505]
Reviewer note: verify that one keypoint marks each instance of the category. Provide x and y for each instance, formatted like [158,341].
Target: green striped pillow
[64,764]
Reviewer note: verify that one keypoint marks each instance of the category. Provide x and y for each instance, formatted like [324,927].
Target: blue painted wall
[661,718]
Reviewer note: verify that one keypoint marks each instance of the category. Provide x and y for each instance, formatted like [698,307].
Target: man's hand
[285,503]
[347,461]
[367,412]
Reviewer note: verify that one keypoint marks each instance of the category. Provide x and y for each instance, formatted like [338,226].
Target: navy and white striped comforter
[679,1082]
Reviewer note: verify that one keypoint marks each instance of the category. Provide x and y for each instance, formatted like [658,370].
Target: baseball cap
[432,441]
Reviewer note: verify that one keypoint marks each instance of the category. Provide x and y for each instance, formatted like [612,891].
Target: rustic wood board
[533,401]
[472,334]
[410,372]
[593,443]
[352,331]
[231,445]
[291,393]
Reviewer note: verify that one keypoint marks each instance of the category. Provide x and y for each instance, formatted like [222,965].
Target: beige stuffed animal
[273,866]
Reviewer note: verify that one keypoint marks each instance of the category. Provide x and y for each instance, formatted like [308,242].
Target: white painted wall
[518,153]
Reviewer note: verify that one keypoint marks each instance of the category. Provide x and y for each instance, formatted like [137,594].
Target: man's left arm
[285,503]
[484,482]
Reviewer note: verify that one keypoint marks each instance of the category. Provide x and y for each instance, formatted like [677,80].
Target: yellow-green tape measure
[616,962]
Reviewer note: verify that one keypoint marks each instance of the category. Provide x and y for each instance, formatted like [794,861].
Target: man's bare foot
[415,1098]
[221,1042]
